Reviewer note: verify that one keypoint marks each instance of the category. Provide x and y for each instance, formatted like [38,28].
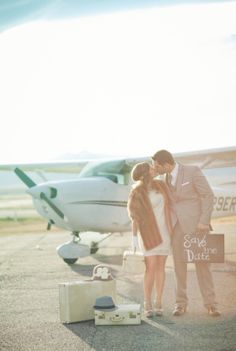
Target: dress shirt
[174,174]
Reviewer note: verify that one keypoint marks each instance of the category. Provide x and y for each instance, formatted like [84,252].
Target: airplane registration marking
[225,203]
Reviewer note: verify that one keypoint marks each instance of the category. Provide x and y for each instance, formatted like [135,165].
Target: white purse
[133,262]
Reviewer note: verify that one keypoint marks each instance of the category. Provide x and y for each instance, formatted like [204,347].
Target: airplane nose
[46,193]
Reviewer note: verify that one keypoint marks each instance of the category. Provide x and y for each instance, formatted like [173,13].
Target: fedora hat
[105,303]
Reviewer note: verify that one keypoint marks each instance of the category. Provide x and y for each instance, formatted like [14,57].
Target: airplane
[96,199]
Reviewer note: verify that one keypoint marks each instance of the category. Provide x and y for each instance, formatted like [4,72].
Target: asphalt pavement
[30,271]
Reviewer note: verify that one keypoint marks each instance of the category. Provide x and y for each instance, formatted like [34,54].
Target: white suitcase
[133,262]
[76,299]
[129,314]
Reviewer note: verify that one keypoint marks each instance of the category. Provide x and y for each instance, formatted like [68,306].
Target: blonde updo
[141,171]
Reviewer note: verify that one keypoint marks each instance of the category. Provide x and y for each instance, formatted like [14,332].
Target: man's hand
[202,229]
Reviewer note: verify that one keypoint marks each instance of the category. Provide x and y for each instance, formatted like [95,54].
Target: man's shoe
[213,311]
[179,311]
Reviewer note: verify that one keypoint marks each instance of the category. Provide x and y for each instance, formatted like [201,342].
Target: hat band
[104,307]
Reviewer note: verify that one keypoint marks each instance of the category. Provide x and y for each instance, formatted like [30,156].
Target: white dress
[157,201]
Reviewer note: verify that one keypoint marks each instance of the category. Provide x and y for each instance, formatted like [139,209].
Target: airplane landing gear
[94,247]
[72,250]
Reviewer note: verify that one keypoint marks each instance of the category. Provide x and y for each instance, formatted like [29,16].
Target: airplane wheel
[70,260]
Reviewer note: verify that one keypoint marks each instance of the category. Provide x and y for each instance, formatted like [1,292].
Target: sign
[207,248]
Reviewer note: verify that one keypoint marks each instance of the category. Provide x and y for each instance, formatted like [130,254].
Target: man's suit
[192,200]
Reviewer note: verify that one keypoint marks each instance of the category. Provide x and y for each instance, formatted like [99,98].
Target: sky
[122,83]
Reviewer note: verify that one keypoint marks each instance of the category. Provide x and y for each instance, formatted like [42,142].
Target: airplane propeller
[30,184]
[44,197]
[25,179]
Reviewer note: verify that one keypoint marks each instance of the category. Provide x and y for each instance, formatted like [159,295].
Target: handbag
[208,248]
[133,262]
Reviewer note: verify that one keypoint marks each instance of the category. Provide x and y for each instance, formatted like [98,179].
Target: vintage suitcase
[76,299]
[133,262]
[129,314]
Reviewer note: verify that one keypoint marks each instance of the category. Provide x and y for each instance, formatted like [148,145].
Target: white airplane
[96,199]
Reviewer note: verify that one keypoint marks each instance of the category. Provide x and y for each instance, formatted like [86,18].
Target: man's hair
[163,156]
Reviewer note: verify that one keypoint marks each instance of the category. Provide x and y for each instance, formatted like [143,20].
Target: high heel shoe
[158,310]
[148,312]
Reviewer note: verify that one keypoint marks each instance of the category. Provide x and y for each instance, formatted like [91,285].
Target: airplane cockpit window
[117,171]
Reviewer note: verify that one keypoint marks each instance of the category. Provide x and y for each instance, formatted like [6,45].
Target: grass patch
[23,225]
[11,219]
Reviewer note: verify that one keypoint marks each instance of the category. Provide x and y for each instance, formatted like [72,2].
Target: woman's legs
[149,278]
[160,262]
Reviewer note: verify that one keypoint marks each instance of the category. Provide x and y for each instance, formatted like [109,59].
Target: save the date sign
[208,248]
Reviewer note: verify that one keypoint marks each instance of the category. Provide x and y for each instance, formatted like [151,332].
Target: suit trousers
[203,272]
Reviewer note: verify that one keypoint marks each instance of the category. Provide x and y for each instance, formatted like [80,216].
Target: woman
[149,210]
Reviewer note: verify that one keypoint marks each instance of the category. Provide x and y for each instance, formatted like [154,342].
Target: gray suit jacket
[192,198]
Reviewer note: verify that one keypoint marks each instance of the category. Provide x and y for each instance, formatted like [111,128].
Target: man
[192,200]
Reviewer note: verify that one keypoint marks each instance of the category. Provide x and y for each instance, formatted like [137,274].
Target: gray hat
[105,303]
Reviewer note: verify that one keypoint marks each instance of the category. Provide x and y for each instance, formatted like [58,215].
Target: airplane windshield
[117,171]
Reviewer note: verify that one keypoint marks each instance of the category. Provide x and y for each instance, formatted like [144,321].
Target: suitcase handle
[116,319]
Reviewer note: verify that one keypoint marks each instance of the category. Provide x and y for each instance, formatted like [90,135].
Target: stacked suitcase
[77,300]
[126,314]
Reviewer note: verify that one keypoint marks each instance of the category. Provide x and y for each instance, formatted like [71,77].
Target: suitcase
[133,262]
[76,299]
[129,314]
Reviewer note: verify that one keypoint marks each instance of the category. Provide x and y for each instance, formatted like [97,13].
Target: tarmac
[30,271]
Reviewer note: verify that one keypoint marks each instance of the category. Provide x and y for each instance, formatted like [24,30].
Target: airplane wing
[212,158]
[54,167]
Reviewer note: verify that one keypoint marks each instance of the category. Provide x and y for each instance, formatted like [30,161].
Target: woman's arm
[134,227]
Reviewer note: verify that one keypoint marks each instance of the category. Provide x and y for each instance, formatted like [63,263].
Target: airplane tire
[70,260]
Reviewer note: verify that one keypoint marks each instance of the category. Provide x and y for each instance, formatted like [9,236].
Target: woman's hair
[141,171]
